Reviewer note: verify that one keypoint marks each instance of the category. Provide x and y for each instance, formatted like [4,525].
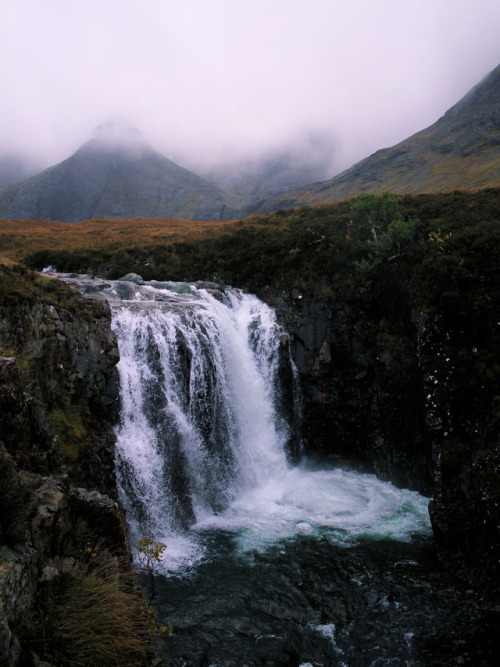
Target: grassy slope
[291,247]
[460,150]
[162,249]
[21,237]
[411,167]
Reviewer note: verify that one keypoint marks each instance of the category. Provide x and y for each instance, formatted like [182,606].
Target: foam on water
[341,506]
[201,444]
[232,348]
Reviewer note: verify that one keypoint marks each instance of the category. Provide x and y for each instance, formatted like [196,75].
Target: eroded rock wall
[58,406]
[412,396]
[362,384]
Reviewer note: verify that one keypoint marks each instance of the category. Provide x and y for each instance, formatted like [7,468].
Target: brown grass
[21,237]
[95,617]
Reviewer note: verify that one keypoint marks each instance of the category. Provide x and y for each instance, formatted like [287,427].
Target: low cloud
[208,82]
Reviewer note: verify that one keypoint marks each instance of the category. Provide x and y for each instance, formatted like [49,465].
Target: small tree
[373,213]
[392,234]
[149,558]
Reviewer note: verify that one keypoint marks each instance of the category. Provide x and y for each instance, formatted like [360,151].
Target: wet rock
[361,383]
[17,580]
[18,586]
[377,603]
[14,416]
[402,393]
[58,400]
[51,522]
[64,375]
[104,515]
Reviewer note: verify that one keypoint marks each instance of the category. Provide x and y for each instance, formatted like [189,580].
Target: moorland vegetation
[444,246]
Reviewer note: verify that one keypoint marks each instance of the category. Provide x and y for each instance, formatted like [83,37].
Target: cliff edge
[60,524]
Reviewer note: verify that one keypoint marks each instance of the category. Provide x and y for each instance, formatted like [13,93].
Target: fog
[211,81]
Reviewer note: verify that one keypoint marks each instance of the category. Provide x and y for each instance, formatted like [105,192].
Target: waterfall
[201,421]
[207,445]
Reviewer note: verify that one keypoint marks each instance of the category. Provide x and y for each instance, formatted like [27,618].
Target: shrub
[93,616]
[149,557]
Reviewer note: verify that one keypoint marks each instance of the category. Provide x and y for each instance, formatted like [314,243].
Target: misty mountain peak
[116,174]
[118,134]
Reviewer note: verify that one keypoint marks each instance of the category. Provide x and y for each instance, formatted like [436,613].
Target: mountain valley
[117,174]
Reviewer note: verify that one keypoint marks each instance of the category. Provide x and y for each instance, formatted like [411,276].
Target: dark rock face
[362,385]
[404,394]
[14,417]
[58,406]
[461,410]
[65,365]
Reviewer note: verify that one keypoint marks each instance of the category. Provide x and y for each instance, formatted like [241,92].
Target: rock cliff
[388,386]
[362,384]
[411,396]
[58,404]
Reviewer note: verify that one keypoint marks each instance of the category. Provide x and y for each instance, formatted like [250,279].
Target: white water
[338,505]
[202,445]
[199,425]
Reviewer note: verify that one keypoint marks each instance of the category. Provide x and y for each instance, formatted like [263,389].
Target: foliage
[149,558]
[392,233]
[372,212]
[435,244]
[93,616]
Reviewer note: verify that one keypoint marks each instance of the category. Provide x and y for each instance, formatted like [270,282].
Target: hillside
[461,151]
[292,247]
[116,174]
[15,168]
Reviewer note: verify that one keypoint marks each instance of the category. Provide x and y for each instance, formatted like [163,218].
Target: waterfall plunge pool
[268,562]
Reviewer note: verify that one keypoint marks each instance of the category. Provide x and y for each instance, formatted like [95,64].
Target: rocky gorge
[387,387]
[402,393]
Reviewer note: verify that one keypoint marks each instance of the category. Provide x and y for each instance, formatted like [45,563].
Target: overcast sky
[208,79]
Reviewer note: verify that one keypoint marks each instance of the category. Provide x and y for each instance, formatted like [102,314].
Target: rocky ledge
[58,405]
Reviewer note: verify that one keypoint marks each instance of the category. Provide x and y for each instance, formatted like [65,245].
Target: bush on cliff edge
[94,616]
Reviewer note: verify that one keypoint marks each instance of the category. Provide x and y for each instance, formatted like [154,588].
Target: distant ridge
[461,151]
[116,174]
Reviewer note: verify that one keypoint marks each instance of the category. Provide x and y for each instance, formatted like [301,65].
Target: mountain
[116,174]
[459,151]
[307,158]
[15,168]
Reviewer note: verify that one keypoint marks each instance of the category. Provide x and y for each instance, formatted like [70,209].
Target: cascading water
[269,561]
[200,420]
[203,439]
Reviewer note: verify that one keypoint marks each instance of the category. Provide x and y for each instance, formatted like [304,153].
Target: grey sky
[211,79]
